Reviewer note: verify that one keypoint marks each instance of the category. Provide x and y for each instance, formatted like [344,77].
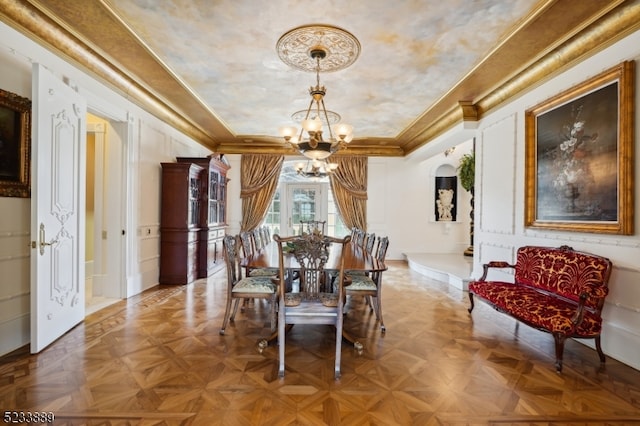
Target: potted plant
[467,171]
[467,174]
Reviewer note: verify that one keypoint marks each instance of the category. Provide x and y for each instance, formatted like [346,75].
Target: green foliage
[467,171]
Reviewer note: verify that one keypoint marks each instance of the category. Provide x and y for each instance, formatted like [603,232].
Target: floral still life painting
[578,157]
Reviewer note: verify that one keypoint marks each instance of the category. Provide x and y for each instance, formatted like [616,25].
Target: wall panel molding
[497,141]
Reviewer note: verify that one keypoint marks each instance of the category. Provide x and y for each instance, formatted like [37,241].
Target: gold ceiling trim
[590,31]
[182,85]
[589,41]
[35,24]
[469,111]
[613,26]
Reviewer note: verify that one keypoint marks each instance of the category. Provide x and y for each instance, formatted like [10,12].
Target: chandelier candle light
[318,48]
[315,168]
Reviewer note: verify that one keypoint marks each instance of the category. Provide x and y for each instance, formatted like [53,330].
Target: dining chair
[370,241]
[246,239]
[311,302]
[258,244]
[354,233]
[241,288]
[369,244]
[265,235]
[312,226]
[370,285]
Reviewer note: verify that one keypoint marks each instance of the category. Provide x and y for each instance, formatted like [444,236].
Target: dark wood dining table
[355,259]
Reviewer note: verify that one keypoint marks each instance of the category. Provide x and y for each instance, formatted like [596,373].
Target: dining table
[356,259]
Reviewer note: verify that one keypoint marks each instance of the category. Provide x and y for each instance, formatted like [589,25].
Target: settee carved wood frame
[579,156]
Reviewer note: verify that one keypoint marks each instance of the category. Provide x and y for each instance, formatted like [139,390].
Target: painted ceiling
[213,63]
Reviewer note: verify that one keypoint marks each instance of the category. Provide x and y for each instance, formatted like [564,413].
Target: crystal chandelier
[318,48]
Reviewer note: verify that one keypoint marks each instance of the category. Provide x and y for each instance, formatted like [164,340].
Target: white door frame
[322,192]
[108,275]
[111,271]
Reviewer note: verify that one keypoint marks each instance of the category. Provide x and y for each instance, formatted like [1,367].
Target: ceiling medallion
[311,48]
[341,48]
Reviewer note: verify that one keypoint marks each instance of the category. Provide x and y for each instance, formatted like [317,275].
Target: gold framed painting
[579,156]
[15,145]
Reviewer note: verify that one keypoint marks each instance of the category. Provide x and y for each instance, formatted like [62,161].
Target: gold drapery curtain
[349,186]
[259,174]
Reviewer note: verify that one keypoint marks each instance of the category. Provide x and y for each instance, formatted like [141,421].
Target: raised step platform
[454,269]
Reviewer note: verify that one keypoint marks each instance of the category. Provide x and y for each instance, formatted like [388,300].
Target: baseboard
[15,333]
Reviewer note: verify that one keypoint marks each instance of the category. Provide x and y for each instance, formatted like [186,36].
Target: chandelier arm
[305,117]
[326,117]
[309,109]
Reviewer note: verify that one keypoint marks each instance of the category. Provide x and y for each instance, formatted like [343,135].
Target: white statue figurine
[444,203]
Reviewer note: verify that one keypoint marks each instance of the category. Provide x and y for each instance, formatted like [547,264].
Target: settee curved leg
[559,339]
[471,301]
[599,349]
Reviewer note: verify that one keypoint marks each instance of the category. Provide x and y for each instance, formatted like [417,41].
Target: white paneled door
[305,202]
[57,209]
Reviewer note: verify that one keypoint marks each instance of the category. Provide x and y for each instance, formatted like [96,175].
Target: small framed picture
[15,145]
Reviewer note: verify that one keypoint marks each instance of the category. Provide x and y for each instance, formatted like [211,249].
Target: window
[335,225]
[272,220]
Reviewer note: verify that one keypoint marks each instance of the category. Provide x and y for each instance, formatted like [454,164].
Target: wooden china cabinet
[193,218]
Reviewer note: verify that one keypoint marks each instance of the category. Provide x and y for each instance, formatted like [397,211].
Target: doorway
[302,198]
[104,282]
[305,202]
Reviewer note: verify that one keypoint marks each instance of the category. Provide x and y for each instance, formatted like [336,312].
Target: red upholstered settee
[557,290]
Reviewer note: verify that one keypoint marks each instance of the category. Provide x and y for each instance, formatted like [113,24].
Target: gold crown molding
[31,21]
[373,149]
[254,146]
[445,122]
[610,28]
[469,111]
[510,70]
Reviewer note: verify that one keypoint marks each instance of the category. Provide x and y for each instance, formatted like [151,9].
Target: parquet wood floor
[157,359]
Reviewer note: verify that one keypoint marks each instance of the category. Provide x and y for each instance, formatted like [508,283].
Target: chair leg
[232,318]
[281,339]
[339,323]
[470,300]
[599,349]
[226,316]
[559,339]
[273,313]
[378,302]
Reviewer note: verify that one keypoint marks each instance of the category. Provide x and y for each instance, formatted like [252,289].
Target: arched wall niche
[445,193]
